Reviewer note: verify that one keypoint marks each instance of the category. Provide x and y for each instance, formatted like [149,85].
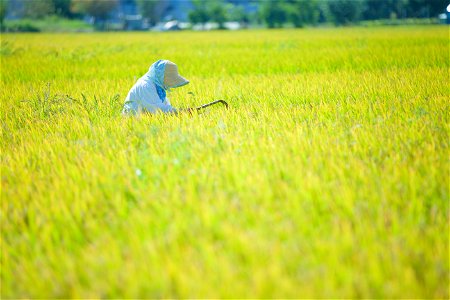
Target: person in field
[149,93]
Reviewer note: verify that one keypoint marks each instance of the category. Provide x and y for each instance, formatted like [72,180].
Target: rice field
[327,177]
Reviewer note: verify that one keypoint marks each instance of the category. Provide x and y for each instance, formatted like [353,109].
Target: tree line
[272,13]
[298,13]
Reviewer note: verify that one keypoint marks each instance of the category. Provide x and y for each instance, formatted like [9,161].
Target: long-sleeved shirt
[143,97]
[148,94]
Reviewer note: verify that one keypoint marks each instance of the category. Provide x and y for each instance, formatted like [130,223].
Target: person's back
[148,94]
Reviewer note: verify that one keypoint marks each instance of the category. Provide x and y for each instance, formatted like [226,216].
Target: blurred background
[167,15]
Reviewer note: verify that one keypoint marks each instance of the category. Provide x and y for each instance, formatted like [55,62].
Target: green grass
[48,24]
[328,177]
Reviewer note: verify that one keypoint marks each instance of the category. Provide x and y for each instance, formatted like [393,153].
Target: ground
[327,177]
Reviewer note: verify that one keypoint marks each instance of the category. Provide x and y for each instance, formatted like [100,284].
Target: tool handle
[212,103]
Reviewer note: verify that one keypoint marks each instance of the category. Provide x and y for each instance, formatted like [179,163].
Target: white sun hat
[171,77]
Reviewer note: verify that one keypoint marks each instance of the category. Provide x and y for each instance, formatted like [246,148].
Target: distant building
[127,7]
[127,12]
[177,10]
[169,10]
[127,16]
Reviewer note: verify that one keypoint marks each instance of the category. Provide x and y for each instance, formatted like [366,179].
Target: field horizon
[328,177]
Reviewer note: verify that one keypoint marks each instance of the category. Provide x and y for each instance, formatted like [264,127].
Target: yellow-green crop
[328,177]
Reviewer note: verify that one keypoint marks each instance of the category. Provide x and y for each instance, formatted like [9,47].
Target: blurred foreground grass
[329,176]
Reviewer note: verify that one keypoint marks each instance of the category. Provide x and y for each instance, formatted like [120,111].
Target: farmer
[149,93]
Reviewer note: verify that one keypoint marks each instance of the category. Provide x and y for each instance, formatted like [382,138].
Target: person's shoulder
[143,82]
[146,91]
[147,86]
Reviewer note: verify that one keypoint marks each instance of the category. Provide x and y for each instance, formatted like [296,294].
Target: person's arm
[151,103]
[165,108]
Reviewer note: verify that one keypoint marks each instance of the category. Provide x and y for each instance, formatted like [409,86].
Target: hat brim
[179,81]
